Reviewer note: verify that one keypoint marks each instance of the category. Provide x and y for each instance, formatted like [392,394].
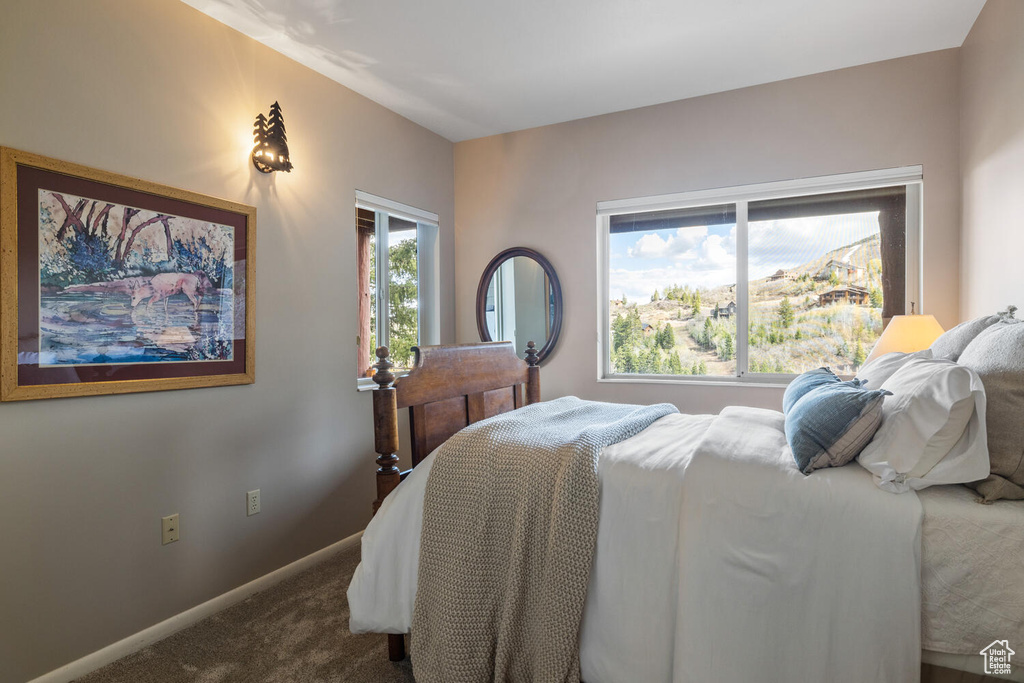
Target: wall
[159,91]
[538,188]
[992,160]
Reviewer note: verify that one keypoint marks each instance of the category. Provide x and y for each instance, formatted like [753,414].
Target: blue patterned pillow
[801,384]
[831,424]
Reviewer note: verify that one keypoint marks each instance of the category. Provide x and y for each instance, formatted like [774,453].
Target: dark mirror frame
[485,281]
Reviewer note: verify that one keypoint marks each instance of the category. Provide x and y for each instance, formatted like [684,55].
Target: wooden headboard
[448,388]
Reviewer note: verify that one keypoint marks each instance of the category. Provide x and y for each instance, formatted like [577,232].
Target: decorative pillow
[933,428]
[953,342]
[829,425]
[997,355]
[808,381]
[877,372]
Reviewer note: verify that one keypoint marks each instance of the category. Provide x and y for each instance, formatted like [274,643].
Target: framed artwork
[112,284]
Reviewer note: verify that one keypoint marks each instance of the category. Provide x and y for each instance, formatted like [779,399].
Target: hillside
[792,327]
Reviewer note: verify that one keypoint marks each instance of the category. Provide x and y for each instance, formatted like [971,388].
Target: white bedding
[971,579]
[724,565]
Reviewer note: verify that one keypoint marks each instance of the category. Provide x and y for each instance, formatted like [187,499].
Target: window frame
[427,271]
[911,177]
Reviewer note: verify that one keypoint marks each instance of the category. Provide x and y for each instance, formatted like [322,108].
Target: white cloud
[677,246]
[717,252]
[638,285]
[700,259]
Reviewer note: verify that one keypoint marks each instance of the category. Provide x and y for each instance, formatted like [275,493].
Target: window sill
[367,383]
[767,383]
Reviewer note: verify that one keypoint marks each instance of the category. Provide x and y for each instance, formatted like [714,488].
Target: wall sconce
[271,150]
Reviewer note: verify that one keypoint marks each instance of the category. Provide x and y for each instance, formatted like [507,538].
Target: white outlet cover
[252,502]
[170,530]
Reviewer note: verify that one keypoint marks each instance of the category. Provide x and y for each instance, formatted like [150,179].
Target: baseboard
[136,642]
[974,664]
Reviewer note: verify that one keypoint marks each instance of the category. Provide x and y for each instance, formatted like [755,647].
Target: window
[760,282]
[397,269]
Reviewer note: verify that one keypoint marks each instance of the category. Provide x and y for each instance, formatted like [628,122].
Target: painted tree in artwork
[83,242]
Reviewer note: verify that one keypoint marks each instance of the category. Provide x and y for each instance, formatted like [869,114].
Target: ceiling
[471,68]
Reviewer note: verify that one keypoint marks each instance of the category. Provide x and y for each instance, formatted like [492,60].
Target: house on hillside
[648,329]
[851,295]
[781,274]
[726,311]
[841,270]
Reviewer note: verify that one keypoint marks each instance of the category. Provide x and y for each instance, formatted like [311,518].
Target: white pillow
[875,373]
[933,428]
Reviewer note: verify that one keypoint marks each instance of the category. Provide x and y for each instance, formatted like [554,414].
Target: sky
[705,256]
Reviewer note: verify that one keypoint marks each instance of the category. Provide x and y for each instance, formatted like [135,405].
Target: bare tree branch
[72,218]
[166,220]
[129,213]
[137,229]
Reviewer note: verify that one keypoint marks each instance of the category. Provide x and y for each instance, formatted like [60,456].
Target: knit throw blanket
[509,530]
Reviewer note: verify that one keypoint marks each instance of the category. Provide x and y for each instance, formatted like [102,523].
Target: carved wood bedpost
[532,375]
[385,443]
[385,427]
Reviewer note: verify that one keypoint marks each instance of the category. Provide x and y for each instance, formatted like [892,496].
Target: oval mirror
[519,300]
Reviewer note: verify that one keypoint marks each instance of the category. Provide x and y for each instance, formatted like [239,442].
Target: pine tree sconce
[270,153]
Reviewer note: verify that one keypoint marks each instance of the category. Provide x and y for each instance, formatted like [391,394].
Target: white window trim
[741,196]
[428,267]
[365,200]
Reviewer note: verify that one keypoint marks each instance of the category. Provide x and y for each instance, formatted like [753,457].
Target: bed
[965,592]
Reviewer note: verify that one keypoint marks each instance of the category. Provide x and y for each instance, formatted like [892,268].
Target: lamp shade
[907,333]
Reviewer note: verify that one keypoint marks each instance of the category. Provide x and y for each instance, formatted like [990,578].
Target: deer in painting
[163,286]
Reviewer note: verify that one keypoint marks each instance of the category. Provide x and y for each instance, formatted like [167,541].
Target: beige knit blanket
[509,529]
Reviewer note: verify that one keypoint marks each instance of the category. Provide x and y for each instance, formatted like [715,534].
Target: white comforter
[716,561]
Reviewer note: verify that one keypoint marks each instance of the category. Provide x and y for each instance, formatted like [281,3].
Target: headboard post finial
[531,354]
[383,377]
[385,427]
[532,375]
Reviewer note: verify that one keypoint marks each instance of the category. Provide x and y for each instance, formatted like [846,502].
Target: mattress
[693,580]
[972,576]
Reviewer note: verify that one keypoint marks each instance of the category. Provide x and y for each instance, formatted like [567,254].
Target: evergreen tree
[785,313]
[858,355]
[650,361]
[654,297]
[728,348]
[619,330]
[876,297]
[666,338]
[403,298]
[707,336]
[696,303]
[675,366]
[624,361]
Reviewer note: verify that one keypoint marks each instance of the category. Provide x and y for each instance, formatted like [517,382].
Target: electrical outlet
[169,524]
[252,503]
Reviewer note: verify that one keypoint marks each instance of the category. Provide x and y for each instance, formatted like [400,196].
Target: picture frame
[110,284]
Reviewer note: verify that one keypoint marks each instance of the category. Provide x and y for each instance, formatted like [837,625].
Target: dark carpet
[295,632]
